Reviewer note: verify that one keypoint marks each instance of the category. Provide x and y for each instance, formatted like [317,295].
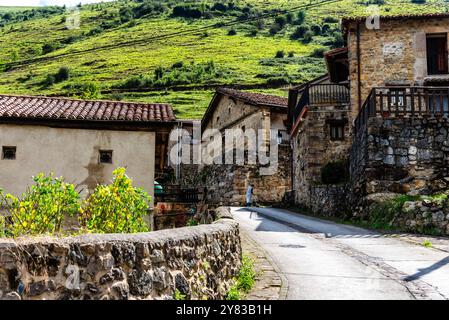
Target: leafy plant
[233,293]
[42,208]
[178,295]
[245,280]
[191,222]
[2,226]
[427,243]
[116,208]
[247,275]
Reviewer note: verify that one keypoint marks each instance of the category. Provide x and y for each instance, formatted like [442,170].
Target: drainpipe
[359,84]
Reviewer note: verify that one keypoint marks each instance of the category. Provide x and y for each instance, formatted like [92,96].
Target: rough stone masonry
[199,262]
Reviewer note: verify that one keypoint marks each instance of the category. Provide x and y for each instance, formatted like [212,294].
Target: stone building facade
[227,183]
[399,80]
[399,53]
[321,134]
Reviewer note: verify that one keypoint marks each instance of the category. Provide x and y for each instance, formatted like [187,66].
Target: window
[437,53]
[337,131]
[9,153]
[105,156]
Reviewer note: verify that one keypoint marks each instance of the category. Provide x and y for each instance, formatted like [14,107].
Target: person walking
[249,195]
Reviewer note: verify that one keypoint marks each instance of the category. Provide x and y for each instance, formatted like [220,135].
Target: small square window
[9,153]
[105,156]
[337,131]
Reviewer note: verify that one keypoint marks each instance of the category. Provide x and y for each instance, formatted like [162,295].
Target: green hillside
[175,51]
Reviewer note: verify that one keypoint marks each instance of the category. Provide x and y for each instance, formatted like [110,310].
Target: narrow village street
[319,259]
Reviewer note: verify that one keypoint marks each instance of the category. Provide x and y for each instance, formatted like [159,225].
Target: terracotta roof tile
[256,98]
[71,109]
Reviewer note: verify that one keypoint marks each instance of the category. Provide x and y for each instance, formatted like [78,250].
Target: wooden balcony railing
[393,102]
[322,95]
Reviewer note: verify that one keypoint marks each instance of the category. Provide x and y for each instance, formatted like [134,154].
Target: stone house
[233,109]
[83,141]
[399,82]
[386,95]
[320,132]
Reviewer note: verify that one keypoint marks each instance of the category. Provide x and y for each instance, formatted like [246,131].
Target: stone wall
[227,184]
[425,216]
[313,148]
[403,155]
[328,200]
[393,54]
[200,262]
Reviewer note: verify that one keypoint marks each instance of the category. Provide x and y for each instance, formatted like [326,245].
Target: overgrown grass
[245,280]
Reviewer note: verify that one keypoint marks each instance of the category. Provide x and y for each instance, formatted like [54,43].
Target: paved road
[325,260]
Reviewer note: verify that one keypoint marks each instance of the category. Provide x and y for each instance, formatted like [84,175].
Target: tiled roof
[346,20]
[255,98]
[30,107]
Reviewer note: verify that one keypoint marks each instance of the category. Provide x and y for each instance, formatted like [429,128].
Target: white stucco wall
[74,154]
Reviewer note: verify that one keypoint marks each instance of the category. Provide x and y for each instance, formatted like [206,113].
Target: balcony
[320,95]
[394,102]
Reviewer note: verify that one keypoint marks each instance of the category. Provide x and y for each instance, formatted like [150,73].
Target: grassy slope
[240,56]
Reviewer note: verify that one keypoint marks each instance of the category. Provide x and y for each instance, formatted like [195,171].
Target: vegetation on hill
[174,51]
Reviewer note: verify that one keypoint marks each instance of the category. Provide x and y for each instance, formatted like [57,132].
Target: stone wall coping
[161,236]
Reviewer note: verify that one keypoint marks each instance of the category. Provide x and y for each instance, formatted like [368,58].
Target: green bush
[84,90]
[49,47]
[319,52]
[335,172]
[281,21]
[308,36]
[299,32]
[301,17]
[62,74]
[232,32]
[280,54]
[116,208]
[42,208]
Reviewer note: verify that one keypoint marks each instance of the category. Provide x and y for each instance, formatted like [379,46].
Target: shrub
[49,81]
[186,12]
[299,32]
[43,207]
[301,17]
[232,32]
[62,74]
[49,47]
[330,19]
[316,29]
[116,208]
[308,36]
[281,21]
[219,7]
[319,52]
[280,54]
[335,172]
[274,29]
